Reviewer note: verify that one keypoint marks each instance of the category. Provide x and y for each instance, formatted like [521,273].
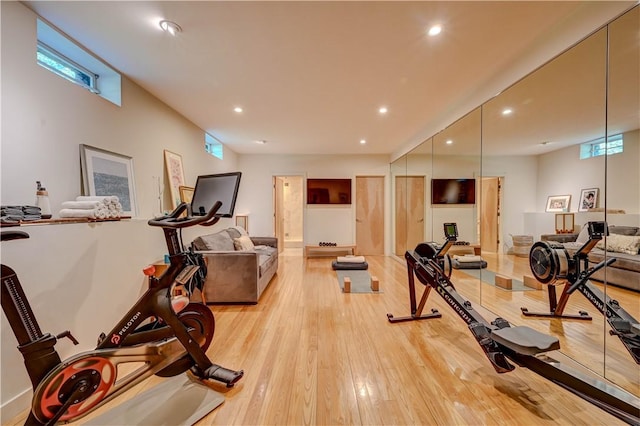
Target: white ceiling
[311,76]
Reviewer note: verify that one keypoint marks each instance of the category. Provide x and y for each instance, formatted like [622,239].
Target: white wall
[79,277]
[321,223]
[562,172]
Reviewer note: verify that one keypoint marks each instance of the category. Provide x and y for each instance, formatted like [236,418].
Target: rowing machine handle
[586,276]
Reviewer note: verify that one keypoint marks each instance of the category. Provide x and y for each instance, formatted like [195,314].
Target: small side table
[559,238]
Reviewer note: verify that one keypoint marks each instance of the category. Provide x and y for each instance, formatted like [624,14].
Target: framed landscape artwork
[108,173]
[558,203]
[175,172]
[588,199]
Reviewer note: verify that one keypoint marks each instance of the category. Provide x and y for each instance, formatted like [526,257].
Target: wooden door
[410,210]
[369,215]
[278,214]
[489,215]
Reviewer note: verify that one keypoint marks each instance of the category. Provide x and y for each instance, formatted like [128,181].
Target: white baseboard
[15,406]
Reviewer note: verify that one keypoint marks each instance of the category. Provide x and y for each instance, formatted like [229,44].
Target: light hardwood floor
[313,355]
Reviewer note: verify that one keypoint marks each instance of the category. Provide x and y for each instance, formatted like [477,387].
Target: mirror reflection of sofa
[239,267]
[623,243]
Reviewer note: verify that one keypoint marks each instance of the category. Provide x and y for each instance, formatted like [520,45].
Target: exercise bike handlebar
[173,220]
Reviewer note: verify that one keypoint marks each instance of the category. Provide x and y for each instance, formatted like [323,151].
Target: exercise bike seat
[525,340]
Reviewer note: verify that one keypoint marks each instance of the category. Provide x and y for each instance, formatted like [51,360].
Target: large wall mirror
[452,198]
[535,152]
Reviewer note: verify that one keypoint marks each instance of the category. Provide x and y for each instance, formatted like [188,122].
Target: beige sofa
[238,271]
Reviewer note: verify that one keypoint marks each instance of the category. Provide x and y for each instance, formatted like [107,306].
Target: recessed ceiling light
[261,142]
[383,110]
[507,111]
[238,109]
[170,27]
[449,142]
[363,141]
[435,30]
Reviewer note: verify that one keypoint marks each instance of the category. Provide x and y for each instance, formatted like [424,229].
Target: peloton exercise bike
[502,342]
[552,265]
[167,335]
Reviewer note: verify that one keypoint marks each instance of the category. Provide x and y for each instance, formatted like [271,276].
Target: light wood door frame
[369,211]
[490,211]
[410,212]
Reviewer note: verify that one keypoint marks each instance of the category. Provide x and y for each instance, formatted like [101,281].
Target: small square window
[213,146]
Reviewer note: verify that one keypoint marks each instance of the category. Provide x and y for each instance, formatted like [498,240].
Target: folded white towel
[351,259]
[107,199]
[468,258]
[84,205]
[89,213]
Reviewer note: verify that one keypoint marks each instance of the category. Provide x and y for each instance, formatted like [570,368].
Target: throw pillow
[218,241]
[243,243]
[621,244]
[241,230]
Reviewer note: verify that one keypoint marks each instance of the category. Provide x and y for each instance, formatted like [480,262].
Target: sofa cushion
[243,243]
[630,262]
[619,243]
[217,241]
[267,257]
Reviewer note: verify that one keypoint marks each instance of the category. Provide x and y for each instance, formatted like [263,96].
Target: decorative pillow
[243,243]
[217,241]
[621,244]
[241,230]
[233,233]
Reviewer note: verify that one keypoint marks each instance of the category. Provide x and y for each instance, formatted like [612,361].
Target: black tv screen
[221,187]
[328,191]
[453,191]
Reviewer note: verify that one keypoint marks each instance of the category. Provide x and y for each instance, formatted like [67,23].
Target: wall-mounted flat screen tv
[453,191]
[328,191]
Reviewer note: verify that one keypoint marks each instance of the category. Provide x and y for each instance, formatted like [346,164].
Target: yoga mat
[178,400]
[360,281]
[488,277]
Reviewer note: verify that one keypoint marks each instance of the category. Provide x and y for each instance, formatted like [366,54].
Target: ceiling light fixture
[507,111]
[363,141]
[449,142]
[170,27]
[238,109]
[383,110]
[435,30]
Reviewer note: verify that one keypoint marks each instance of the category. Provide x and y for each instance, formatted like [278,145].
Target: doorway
[288,194]
[490,207]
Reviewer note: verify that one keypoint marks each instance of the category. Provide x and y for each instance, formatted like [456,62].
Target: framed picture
[588,199]
[175,172]
[108,173]
[186,194]
[558,203]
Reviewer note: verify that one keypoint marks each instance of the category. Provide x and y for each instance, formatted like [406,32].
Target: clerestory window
[613,145]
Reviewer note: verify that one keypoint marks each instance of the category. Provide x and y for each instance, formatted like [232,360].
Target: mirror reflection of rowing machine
[552,265]
[502,342]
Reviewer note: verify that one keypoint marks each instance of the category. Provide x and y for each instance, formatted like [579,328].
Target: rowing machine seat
[525,340]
